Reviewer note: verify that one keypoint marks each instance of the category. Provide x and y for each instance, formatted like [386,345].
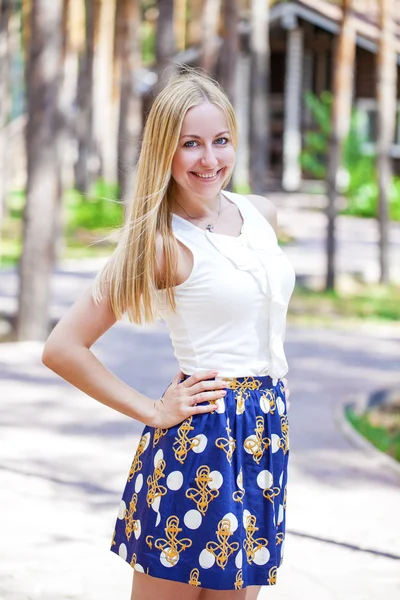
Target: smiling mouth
[206,175]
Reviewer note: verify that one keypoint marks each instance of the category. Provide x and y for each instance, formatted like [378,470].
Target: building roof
[327,15]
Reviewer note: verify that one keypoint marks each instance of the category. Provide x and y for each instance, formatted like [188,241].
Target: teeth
[203,176]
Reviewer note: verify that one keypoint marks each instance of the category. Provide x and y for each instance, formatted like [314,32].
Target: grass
[377,302]
[385,438]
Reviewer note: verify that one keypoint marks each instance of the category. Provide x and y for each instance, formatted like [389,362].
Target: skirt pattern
[205,501]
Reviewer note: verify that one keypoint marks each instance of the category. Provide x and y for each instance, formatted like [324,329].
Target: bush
[361,191]
[100,209]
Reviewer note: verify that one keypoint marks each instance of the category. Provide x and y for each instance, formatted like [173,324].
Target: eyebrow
[193,135]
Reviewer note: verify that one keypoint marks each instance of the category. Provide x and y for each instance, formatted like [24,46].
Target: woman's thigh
[145,587]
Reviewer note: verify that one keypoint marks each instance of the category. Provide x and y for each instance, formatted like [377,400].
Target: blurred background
[316,88]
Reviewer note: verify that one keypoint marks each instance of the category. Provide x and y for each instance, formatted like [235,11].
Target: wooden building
[303,34]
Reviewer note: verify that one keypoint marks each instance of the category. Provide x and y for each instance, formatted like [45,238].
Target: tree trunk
[130,113]
[230,48]
[209,42]
[42,196]
[387,109]
[87,166]
[104,102]
[165,43]
[259,129]
[341,115]
[5,99]
[180,19]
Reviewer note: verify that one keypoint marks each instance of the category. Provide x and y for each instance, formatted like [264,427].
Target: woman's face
[205,155]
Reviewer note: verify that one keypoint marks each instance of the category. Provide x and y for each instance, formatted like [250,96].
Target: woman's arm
[67,353]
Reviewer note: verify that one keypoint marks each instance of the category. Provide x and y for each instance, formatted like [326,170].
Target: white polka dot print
[264,479]
[233,521]
[175,480]
[158,519]
[147,441]
[206,559]
[163,558]
[138,483]
[159,455]
[216,480]
[275,439]
[274,382]
[261,556]
[264,404]
[280,514]
[246,514]
[192,519]
[239,559]
[239,480]
[201,445]
[281,479]
[155,505]
[280,405]
[138,530]
[122,509]
[123,551]
[220,406]
[139,568]
[250,442]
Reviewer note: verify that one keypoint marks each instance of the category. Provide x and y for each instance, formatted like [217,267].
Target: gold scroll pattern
[158,434]
[272,576]
[242,389]
[149,542]
[131,524]
[171,545]
[270,493]
[239,580]
[133,561]
[227,444]
[137,463]
[284,440]
[154,488]
[239,494]
[251,545]
[183,443]
[280,536]
[194,578]
[257,444]
[222,549]
[203,495]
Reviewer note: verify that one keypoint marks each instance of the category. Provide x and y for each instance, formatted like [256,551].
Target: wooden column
[291,178]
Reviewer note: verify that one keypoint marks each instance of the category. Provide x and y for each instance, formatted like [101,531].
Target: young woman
[203,511]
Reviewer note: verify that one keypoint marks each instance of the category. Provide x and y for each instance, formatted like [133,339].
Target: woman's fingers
[199,376]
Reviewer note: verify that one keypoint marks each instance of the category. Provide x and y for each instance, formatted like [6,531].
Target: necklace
[209,226]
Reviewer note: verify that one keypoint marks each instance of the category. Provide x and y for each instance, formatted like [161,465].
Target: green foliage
[362,191]
[313,157]
[379,436]
[377,302]
[100,209]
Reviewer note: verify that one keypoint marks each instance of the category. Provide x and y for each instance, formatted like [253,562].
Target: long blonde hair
[129,278]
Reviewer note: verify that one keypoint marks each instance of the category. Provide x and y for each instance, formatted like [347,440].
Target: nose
[208,158]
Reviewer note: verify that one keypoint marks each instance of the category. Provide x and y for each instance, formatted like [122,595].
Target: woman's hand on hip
[195,395]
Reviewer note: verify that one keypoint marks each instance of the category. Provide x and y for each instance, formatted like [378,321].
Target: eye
[186,144]
[224,141]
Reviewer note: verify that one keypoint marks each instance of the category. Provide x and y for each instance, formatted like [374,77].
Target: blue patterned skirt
[205,500]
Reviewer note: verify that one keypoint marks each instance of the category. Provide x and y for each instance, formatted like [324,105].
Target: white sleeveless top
[231,311]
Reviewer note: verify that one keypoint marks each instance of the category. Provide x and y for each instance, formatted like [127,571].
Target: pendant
[210,227]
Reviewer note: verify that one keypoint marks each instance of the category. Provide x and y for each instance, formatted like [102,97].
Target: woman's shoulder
[266,208]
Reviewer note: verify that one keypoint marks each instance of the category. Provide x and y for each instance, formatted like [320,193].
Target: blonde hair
[129,278]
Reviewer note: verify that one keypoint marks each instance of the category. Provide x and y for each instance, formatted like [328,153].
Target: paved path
[64,460]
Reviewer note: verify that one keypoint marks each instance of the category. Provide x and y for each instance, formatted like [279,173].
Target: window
[367,124]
